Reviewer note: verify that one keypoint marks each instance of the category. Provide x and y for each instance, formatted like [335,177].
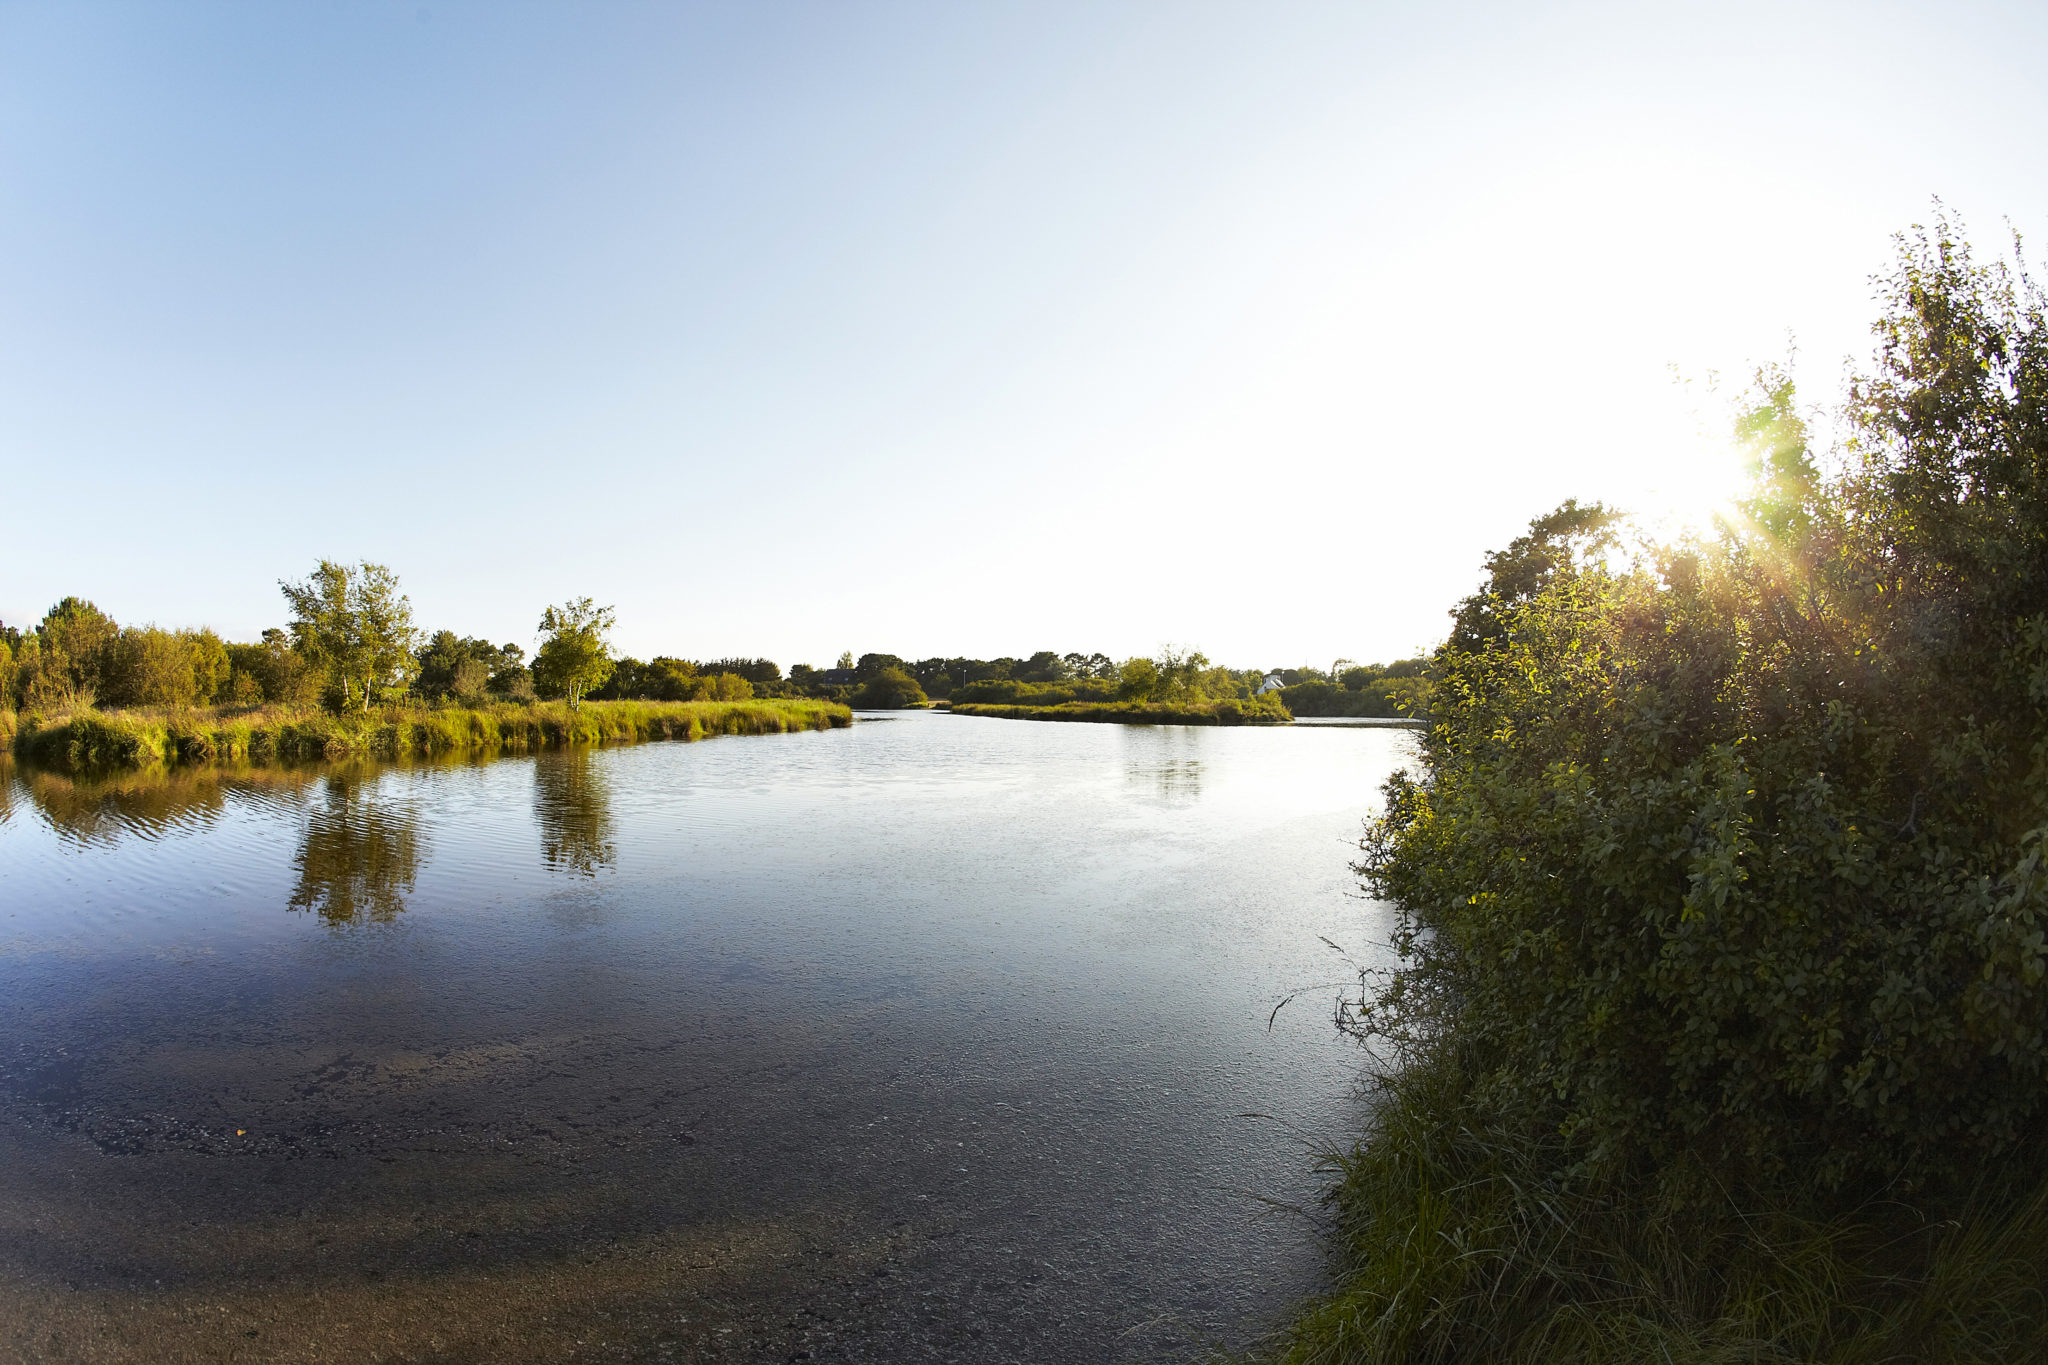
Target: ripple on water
[983,1004]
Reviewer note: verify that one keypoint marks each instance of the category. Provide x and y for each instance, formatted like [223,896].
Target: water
[937,1038]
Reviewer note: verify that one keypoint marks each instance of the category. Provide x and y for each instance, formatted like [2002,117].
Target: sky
[935,329]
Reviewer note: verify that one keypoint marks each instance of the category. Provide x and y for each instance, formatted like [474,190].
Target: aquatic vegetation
[83,738]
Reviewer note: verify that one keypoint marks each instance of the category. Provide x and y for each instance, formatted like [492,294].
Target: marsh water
[935,1038]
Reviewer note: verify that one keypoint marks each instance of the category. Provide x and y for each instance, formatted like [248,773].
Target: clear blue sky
[931,328]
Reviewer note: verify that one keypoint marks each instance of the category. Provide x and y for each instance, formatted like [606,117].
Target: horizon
[797,331]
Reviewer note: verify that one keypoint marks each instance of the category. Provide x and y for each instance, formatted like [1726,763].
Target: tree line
[351,644]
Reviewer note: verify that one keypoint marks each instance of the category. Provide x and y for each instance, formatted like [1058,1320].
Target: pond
[935,1038]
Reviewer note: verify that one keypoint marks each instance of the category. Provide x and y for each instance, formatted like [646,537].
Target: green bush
[1722,1019]
[1744,849]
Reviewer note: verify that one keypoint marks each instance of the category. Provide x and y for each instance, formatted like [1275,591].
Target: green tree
[889,690]
[1137,680]
[352,621]
[462,667]
[575,657]
[72,645]
[1572,536]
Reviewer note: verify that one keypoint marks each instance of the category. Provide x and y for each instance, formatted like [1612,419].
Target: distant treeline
[1390,690]
[79,656]
[352,645]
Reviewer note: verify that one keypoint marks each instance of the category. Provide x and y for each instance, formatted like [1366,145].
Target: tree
[1567,538]
[1044,666]
[1137,680]
[576,656]
[353,621]
[462,666]
[891,689]
[273,671]
[73,642]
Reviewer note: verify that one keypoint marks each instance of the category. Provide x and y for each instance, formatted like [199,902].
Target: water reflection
[105,808]
[358,855]
[572,804]
[1161,763]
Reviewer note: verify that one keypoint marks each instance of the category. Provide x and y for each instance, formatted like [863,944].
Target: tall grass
[85,739]
[1459,1242]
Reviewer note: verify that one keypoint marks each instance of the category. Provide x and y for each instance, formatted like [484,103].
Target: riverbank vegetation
[1175,687]
[1399,690]
[1265,710]
[86,738]
[1720,1029]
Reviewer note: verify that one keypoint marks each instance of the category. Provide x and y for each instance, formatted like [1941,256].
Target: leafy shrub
[1743,852]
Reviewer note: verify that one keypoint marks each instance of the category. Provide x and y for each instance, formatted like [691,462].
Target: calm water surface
[937,1038]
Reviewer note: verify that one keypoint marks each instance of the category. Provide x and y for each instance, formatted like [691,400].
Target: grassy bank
[137,739]
[1460,1240]
[1245,711]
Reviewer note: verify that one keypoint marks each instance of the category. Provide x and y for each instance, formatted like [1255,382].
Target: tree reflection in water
[572,803]
[1160,763]
[106,808]
[357,855]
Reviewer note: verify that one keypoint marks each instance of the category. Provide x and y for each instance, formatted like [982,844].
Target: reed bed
[88,739]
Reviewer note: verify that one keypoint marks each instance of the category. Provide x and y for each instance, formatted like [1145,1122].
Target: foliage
[1014,691]
[666,679]
[147,666]
[352,621]
[1398,689]
[63,663]
[760,672]
[1723,905]
[1266,710]
[1177,676]
[272,671]
[891,689]
[463,667]
[576,656]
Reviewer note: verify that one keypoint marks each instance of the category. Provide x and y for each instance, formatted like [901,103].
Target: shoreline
[100,740]
[1130,713]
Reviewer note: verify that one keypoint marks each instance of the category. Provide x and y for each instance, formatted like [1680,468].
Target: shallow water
[938,1038]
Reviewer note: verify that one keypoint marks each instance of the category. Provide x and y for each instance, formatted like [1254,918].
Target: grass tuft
[1459,1241]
